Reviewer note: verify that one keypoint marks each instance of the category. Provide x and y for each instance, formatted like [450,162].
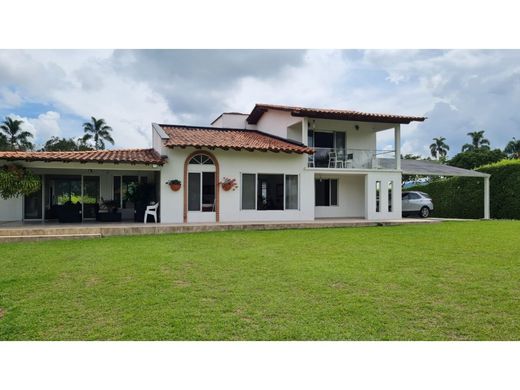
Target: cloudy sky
[54,92]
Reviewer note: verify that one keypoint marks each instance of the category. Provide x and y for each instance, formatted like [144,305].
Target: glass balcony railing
[352,158]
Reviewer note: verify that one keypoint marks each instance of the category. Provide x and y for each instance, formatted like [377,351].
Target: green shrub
[463,197]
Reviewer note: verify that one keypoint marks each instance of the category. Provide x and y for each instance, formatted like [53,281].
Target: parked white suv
[417,202]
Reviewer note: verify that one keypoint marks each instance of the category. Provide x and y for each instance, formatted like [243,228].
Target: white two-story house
[284,164]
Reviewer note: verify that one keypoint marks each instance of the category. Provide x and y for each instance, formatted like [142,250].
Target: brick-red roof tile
[131,156]
[327,113]
[215,137]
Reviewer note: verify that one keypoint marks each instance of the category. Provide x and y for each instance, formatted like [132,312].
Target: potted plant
[229,184]
[174,184]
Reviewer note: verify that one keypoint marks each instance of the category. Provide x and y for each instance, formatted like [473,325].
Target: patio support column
[486,197]
[305,131]
[397,146]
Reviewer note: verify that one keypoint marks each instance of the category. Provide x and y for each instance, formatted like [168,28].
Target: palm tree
[512,149]
[439,148]
[16,138]
[99,131]
[478,142]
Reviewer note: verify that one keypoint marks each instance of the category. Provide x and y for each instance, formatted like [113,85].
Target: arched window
[201,183]
[201,159]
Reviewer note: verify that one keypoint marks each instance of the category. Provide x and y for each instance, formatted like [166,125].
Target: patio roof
[116,156]
[430,168]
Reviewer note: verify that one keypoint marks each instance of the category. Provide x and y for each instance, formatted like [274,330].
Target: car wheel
[425,212]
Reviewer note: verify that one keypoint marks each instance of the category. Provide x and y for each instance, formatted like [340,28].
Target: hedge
[463,197]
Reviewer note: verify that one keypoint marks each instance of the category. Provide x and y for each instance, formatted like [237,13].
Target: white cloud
[41,127]
[9,98]
[459,91]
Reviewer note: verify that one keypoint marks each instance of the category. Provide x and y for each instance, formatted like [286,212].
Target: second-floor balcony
[341,158]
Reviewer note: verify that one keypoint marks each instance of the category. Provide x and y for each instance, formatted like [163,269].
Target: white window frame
[256,190]
[200,173]
[330,192]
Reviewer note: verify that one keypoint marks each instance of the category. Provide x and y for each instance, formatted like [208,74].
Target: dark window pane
[33,204]
[90,196]
[291,192]
[270,192]
[126,181]
[117,190]
[340,140]
[208,191]
[323,140]
[248,191]
[310,138]
[378,190]
[194,191]
[334,192]
[321,188]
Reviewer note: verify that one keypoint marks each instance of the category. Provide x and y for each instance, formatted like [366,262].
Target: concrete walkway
[31,231]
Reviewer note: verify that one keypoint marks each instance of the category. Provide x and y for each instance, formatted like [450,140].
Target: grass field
[449,281]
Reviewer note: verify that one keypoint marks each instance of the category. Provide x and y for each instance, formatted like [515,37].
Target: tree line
[474,154]
[96,134]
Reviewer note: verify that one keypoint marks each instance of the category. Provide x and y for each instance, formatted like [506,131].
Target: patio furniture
[312,163]
[108,216]
[69,212]
[334,162]
[152,211]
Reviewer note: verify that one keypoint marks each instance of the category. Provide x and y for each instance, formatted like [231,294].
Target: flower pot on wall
[175,187]
[227,186]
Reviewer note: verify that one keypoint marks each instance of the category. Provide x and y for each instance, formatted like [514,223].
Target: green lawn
[449,281]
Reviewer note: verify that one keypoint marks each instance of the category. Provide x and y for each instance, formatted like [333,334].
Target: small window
[413,195]
[248,191]
[390,195]
[378,193]
[291,192]
[326,192]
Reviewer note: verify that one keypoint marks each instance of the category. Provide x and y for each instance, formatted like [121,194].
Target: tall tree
[64,144]
[439,148]
[3,142]
[512,149]
[478,142]
[97,131]
[17,138]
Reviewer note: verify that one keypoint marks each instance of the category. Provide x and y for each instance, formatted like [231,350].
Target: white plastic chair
[151,210]
[334,162]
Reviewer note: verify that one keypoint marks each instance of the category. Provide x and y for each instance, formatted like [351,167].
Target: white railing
[352,158]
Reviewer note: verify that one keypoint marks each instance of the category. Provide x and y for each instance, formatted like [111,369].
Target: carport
[429,168]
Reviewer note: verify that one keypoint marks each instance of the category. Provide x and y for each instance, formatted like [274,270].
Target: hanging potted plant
[16,180]
[229,184]
[174,184]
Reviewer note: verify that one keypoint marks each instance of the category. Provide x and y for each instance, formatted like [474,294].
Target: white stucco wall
[11,209]
[351,198]
[232,164]
[233,121]
[370,191]
[276,122]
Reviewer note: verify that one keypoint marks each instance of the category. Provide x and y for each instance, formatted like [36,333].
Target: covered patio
[428,168]
[90,186]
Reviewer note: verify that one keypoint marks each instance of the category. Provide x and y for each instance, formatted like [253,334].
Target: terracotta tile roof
[222,138]
[131,156]
[326,113]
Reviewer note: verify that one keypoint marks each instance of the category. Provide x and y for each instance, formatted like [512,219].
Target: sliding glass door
[90,196]
[33,205]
